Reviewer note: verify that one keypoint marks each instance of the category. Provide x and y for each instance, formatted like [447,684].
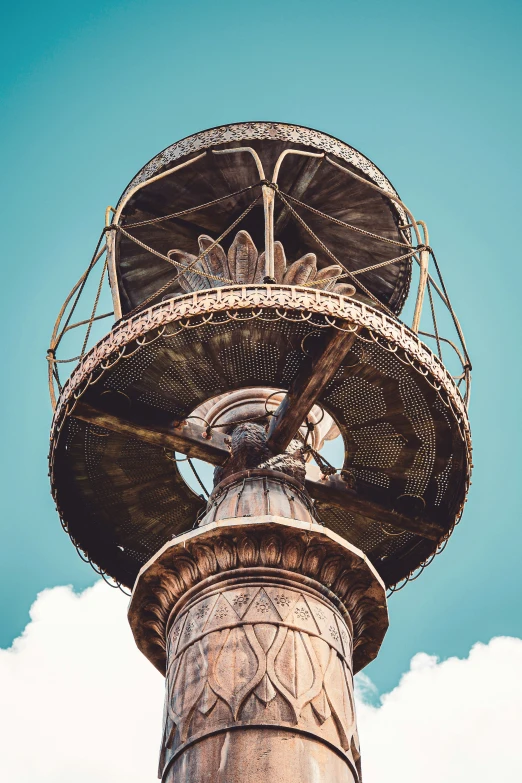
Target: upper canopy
[134,398]
[158,190]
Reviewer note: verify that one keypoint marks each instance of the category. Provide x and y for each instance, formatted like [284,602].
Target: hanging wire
[95,258]
[55,337]
[192,209]
[338,222]
[434,319]
[95,307]
[450,308]
[189,267]
[203,487]
[329,253]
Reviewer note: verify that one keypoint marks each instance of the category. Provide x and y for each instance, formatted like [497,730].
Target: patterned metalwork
[403,422]
[248,131]
[279,298]
[258,628]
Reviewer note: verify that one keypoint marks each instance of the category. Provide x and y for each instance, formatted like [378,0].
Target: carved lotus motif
[243,264]
[266,659]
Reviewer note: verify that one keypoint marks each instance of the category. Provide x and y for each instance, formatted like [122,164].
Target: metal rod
[82,323]
[391,196]
[113,277]
[283,155]
[423,278]
[194,471]
[111,239]
[268,204]
[148,182]
[251,150]
[445,340]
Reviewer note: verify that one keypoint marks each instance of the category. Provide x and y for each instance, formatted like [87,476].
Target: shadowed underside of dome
[257,271]
[402,420]
[200,186]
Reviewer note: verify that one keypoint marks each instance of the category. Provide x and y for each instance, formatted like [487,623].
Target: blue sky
[429,91]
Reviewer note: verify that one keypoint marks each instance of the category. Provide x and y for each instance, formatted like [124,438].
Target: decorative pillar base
[259,624]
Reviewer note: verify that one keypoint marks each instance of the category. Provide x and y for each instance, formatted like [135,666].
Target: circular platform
[155,193]
[403,421]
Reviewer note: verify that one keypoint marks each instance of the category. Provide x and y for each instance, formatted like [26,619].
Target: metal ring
[267,412]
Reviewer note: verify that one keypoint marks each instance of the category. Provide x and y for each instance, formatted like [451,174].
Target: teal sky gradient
[429,91]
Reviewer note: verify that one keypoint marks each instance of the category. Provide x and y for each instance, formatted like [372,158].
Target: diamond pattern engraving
[286,652]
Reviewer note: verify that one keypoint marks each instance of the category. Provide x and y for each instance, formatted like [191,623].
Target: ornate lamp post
[257,273]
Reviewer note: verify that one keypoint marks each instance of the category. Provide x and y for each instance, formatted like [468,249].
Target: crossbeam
[188,438]
[335,491]
[191,439]
[312,378]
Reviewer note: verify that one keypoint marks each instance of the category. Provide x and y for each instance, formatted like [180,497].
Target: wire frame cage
[227,220]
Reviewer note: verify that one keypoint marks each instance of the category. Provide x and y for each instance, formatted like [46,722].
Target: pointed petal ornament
[301,271]
[243,260]
[345,289]
[243,265]
[215,260]
[189,281]
[207,701]
[325,275]
[265,691]
[321,707]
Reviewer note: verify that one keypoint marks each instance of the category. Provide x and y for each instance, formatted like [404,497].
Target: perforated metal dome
[268,257]
[402,419]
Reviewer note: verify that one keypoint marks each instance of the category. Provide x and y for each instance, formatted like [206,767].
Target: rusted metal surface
[191,439]
[301,610]
[216,175]
[402,420]
[186,436]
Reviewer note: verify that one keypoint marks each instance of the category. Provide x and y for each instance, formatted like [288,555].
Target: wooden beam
[304,391]
[189,438]
[334,490]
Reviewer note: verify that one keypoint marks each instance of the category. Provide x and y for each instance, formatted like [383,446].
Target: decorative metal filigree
[245,131]
[246,303]
[250,302]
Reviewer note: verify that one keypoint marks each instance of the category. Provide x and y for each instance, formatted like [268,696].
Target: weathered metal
[258,624]
[307,386]
[403,421]
[214,176]
[227,352]
[192,439]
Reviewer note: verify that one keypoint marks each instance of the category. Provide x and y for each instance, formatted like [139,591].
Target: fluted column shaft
[259,683]
[258,624]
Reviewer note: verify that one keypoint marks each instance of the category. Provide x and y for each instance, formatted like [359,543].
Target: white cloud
[449,722]
[79,703]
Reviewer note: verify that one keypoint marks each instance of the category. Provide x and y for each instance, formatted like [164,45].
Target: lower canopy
[402,421]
